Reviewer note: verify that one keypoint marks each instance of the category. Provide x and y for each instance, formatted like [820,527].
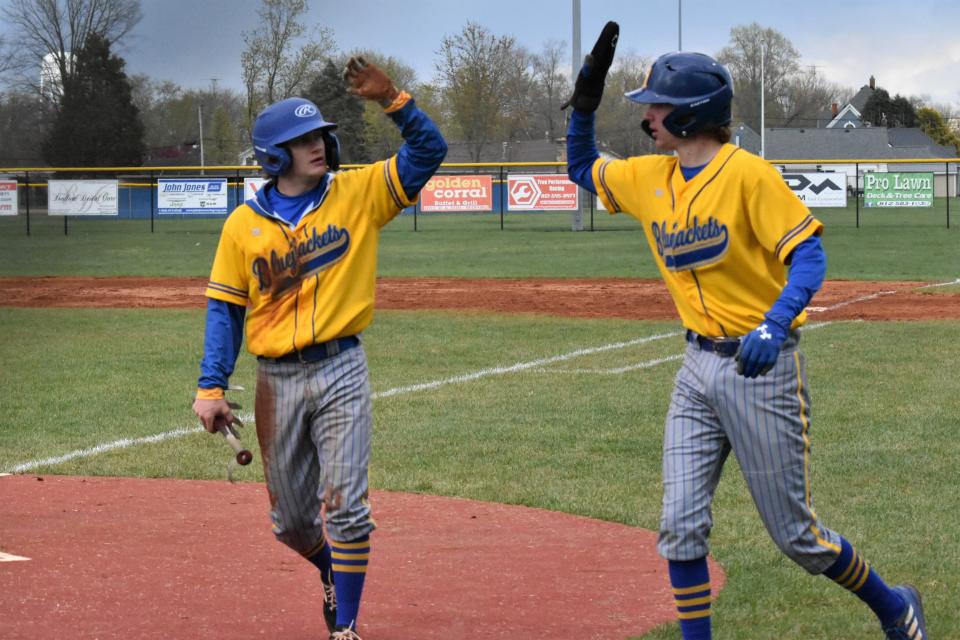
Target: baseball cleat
[329,606]
[911,625]
[344,633]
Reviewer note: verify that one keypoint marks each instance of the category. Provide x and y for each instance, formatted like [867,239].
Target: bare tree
[806,97]
[60,28]
[742,58]
[552,86]
[281,57]
[170,115]
[6,57]
[478,74]
[618,119]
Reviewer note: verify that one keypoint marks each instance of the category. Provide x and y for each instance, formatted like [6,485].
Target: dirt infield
[134,558]
[599,298]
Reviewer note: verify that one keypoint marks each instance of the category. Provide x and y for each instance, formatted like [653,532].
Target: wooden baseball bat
[244,457]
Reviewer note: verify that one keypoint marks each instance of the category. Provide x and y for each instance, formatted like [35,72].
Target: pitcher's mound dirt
[135,558]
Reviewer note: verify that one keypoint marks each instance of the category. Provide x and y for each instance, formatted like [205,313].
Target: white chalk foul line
[521,366]
[184,431]
[9,557]
[878,294]
[940,284]
[658,361]
[633,367]
[110,446]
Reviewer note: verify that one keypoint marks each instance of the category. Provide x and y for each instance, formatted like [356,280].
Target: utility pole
[200,119]
[763,149]
[576,218]
[679,25]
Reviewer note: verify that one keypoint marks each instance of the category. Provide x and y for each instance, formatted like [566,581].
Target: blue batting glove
[759,349]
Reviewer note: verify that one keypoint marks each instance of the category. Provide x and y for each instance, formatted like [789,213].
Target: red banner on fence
[542,192]
[457,193]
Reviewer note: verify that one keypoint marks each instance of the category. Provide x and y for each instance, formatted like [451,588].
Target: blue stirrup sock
[349,562]
[691,591]
[853,573]
[320,558]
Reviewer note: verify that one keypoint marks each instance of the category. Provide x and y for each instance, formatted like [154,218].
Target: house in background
[880,147]
[851,115]
[842,134]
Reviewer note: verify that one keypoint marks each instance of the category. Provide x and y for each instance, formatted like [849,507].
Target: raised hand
[588,89]
[369,81]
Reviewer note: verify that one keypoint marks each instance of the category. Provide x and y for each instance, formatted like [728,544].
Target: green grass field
[902,245]
[571,435]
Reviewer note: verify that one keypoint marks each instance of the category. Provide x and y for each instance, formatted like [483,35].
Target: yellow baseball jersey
[720,240]
[313,282]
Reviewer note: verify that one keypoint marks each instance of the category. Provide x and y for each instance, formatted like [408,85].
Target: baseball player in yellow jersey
[297,263]
[724,228]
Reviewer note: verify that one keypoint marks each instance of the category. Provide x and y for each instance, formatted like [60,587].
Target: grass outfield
[893,245]
[572,435]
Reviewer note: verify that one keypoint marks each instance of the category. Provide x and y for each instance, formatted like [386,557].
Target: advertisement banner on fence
[251,186]
[192,195]
[457,193]
[82,198]
[898,189]
[825,189]
[552,191]
[8,197]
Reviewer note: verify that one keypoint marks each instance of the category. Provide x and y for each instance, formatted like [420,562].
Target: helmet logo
[305,111]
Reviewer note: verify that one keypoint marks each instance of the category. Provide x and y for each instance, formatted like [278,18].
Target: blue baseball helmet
[283,121]
[699,88]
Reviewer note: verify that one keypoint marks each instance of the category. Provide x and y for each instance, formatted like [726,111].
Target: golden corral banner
[8,197]
[540,192]
[457,193]
[82,198]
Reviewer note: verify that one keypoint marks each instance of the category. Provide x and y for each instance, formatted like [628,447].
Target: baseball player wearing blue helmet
[741,256]
[296,268]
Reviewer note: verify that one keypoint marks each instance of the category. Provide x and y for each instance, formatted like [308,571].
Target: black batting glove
[588,89]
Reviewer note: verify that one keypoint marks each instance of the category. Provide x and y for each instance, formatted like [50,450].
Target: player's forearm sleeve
[581,149]
[423,150]
[221,343]
[808,267]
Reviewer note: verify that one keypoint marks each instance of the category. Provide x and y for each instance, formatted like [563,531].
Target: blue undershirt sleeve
[581,149]
[423,150]
[808,267]
[221,343]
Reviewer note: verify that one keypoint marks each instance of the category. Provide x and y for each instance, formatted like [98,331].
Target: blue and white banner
[192,195]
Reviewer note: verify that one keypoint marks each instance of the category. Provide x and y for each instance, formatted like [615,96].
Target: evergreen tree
[883,111]
[97,123]
[329,92]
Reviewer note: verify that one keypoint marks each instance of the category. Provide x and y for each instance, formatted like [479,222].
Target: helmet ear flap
[281,160]
[331,150]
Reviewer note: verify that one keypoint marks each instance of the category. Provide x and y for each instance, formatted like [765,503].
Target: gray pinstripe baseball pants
[765,422]
[314,425]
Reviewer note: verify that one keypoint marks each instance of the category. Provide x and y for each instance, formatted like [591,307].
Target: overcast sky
[911,46]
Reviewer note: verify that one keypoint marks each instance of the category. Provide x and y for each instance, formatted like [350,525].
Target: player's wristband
[216,393]
[398,103]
